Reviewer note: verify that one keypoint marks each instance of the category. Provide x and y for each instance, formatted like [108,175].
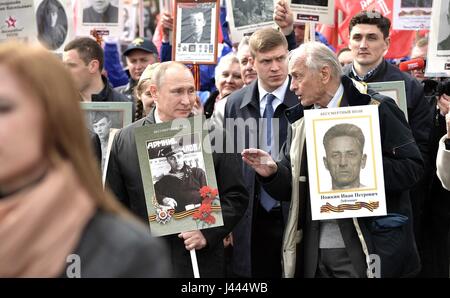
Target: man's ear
[363,161]
[154,91]
[94,66]
[325,74]
[387,40]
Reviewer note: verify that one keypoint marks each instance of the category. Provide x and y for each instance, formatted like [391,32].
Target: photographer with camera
[443,157]
[435,215]
[432,211]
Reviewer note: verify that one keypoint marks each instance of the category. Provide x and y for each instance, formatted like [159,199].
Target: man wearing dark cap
[139,53]
[179,189]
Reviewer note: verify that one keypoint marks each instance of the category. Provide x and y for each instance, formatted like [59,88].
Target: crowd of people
[53,203]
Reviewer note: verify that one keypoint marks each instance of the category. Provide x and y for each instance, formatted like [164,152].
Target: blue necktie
[266,200]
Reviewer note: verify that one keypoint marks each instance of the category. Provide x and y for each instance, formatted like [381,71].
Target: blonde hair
[42,75]
[265,40]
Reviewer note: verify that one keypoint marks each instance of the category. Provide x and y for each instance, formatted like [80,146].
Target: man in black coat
[174,93]
[257,238]
[342,247]
[369,41]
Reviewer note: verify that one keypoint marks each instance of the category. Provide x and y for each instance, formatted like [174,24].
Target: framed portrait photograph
[195,39]
[345,162]
[178,176]
[104,16]
[412,14]
[54,23]
[395,90]
[438,58]
[17,21]
[318,11]
[102,118]
[247,16]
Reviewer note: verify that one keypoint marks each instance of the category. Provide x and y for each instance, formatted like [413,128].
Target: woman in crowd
[55,218]
[145,101]
[228,79]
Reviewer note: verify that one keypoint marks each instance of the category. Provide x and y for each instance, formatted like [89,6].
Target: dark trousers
[266,244]
[335,263]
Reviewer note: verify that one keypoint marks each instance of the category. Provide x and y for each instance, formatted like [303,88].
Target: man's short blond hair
[265,40]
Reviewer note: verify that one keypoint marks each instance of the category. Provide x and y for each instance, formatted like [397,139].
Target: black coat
[244,104]
[111,246]
[124,179]
[402,167]
[419,115]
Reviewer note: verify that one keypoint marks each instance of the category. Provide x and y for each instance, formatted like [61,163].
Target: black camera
[443,87]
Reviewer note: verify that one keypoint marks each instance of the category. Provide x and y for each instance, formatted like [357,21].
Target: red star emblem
[11,22]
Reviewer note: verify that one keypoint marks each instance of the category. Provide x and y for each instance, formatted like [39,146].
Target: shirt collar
[368,74]
[334,102]
[279,92]
[157,119]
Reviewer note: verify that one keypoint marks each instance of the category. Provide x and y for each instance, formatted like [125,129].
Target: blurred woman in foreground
[54,214]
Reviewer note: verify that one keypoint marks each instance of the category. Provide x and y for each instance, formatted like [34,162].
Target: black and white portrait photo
[101,123]
[51,23]
[344,155]
[444,27]
[178,172]
[416,3]
[311,2]
[248,12]
[196,25]
[100,11]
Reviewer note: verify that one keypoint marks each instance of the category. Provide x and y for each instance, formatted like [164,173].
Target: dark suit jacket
[111,15]
[244,104]
[205,38]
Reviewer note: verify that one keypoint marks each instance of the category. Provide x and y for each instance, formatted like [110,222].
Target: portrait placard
[345,164]
[103,16]
[318,11]
[438,57]
[195,39]
[17,20]
[101,117]
[412,14]
[395,90]
[247,16]
[55,27]
[178,177]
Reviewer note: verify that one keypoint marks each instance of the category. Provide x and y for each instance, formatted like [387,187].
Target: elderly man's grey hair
[317,55]
[224,62]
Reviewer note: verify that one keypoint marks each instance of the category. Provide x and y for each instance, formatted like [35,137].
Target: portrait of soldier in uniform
[179,188]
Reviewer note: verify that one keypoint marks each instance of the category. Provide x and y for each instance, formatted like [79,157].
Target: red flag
[401,40]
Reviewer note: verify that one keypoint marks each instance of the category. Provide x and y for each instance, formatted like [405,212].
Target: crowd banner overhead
[17,20]
[317,11]
[438,58]
[412,14]
[195,38]
[247,16]
[344,150]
